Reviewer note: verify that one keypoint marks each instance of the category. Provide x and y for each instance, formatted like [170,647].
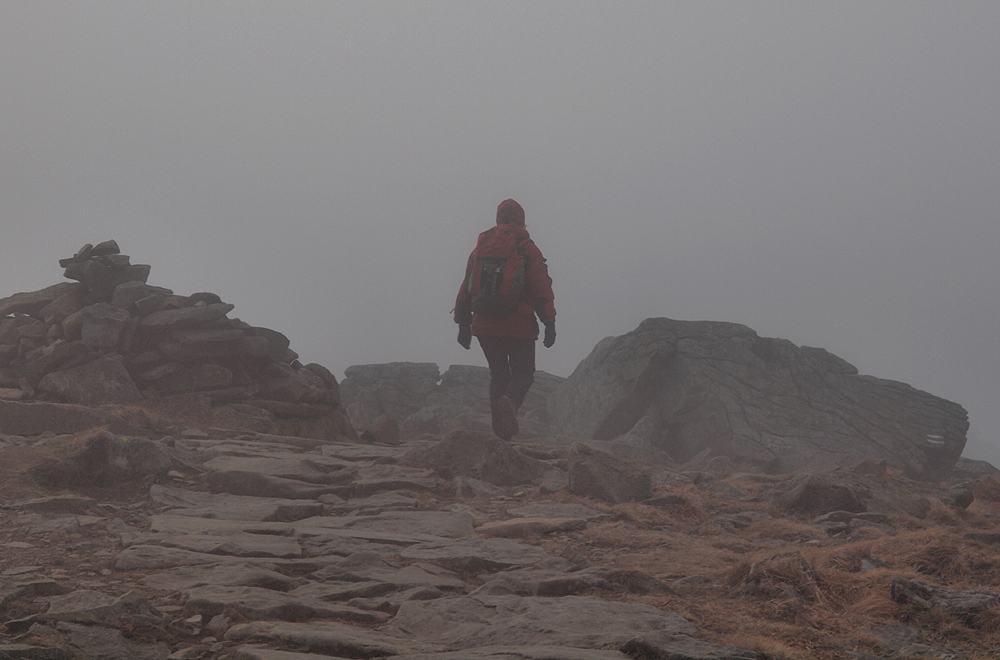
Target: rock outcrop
[109,337]
[686,387]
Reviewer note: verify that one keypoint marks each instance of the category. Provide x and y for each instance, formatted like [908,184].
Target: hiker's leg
[495,350]
[522,368]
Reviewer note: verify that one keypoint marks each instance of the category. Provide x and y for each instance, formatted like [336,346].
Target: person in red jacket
[508,340]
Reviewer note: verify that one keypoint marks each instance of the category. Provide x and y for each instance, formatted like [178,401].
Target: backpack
[496,281]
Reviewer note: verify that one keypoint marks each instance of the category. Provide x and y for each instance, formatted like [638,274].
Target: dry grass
[988,490]
[783,588]
[783,529]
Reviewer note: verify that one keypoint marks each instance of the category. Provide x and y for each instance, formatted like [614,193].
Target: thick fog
[821,172]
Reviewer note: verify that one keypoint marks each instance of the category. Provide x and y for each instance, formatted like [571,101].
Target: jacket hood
[510,213]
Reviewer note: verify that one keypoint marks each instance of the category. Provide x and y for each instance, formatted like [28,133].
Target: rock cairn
[109,337]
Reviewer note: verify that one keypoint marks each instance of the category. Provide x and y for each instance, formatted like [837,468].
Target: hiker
[506,286]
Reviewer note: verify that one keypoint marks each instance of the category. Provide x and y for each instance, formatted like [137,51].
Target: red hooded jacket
[537,298]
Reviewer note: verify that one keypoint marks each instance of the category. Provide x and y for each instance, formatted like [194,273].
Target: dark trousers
[512,370]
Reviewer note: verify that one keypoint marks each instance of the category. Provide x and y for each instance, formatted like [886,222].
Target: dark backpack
[496,281]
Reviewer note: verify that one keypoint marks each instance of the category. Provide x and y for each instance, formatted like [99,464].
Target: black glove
[465,336]
[550,334]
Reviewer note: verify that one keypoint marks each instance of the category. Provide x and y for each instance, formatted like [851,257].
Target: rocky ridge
[220,544]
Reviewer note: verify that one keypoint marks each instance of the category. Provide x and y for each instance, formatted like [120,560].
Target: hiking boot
[507,418]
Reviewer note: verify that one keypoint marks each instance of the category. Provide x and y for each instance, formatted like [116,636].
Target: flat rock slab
[34,652]
[154,557]
[230,574]
[344,543]
[683,647]
[371,486]
[310,468]
[520,527]
[368,567]
[57,504]
[257,653]
[98,642]
[326,637]
[367,506]
[541,582]
[185,317]
[518,653]
[445,524]
[255,484]
[223,506]
[263,604]
[231,447]
[576,621]
[171,523]
[310,532]
[94,608]
[557,510]
[476,555]
[237,545]
[356,452]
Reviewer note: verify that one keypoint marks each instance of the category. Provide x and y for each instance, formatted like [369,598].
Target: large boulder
[100,381]
[685,387]
[482,456]
[597,474]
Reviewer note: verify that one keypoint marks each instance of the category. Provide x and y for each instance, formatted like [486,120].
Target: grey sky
[822,172]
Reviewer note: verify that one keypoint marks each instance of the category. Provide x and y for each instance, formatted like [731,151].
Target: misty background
[825,173]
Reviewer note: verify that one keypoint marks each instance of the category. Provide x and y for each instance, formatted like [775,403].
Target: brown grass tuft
[941,514]
[942,559]
[988,490]
[986,621]
[784,530]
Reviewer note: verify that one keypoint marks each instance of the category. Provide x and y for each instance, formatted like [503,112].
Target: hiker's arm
[538,284]
[463,303]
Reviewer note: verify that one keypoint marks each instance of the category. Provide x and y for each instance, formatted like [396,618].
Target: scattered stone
[596,474]
[476,555]
[521,527]
[557,510]
[927,596]
[479,455]
[57,504]
[575,621]
[896,635]
[326,637]
[94,608]
[814,494]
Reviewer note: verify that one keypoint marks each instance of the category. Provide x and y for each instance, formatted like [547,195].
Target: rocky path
[279,548]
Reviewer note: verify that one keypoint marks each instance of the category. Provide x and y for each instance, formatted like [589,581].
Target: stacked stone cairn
[109,337]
